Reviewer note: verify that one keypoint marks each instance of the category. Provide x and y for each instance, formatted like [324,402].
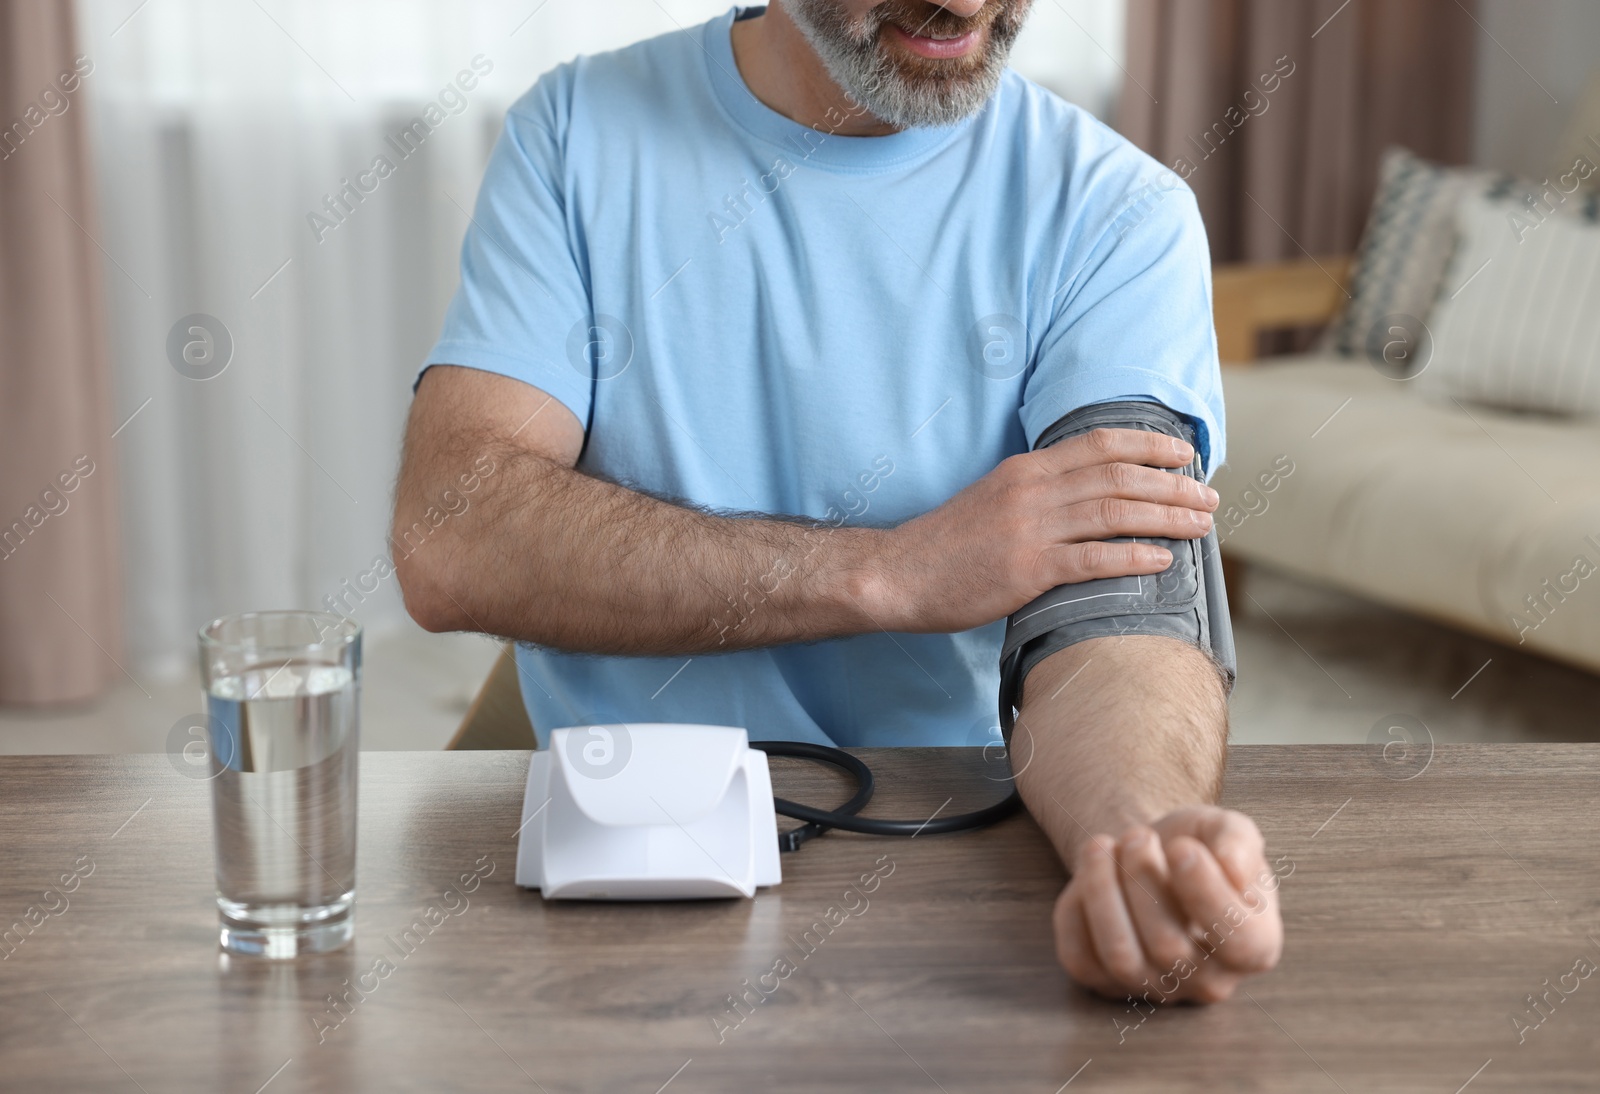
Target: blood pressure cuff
[1186,600]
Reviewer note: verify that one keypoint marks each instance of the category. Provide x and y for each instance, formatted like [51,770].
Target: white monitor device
[648,811]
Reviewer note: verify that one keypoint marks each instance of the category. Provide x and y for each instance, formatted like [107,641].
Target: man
[758,323]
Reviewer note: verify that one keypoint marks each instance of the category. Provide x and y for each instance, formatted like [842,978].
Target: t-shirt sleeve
[1133,320]
[522,307]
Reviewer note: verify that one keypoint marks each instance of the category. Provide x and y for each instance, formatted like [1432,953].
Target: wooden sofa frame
[1251,299]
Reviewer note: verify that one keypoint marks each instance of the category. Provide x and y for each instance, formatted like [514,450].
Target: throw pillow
[1404,249]
[1518,324]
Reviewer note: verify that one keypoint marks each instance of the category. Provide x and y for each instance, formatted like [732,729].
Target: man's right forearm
[547,554]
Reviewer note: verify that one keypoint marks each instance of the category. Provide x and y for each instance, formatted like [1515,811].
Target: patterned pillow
[1519,322]
[1401,261]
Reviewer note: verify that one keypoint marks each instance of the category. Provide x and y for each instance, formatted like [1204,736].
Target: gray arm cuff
[1187,600]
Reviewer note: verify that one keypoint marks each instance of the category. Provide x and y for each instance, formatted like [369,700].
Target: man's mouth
[936,46]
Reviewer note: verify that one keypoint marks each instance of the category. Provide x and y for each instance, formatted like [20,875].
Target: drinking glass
[283,694]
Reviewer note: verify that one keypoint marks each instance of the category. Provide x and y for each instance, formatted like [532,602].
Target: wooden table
[1420,915]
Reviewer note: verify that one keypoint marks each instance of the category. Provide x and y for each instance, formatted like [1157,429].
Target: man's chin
[941,97]
[900,83]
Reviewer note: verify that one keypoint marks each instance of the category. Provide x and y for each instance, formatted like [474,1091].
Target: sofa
[1485,519]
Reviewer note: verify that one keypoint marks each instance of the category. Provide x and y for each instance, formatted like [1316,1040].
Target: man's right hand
[1038,520]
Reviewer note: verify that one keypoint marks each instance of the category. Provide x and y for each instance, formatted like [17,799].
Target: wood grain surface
[1420,913]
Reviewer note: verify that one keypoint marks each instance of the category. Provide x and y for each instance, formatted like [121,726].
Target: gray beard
[859,64]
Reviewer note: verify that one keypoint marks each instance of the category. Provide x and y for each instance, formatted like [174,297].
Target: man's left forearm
[1118,731]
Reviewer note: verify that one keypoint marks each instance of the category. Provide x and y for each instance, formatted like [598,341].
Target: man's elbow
[427,588]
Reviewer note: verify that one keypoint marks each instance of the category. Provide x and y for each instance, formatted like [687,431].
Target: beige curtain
[1276,110]
[59,587]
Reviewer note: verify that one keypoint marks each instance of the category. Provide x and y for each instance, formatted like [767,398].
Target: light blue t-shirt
[755,315]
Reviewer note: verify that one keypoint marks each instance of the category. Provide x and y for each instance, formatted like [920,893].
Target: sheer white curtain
[221,127]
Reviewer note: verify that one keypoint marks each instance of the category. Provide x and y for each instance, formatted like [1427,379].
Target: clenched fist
[1182,909]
